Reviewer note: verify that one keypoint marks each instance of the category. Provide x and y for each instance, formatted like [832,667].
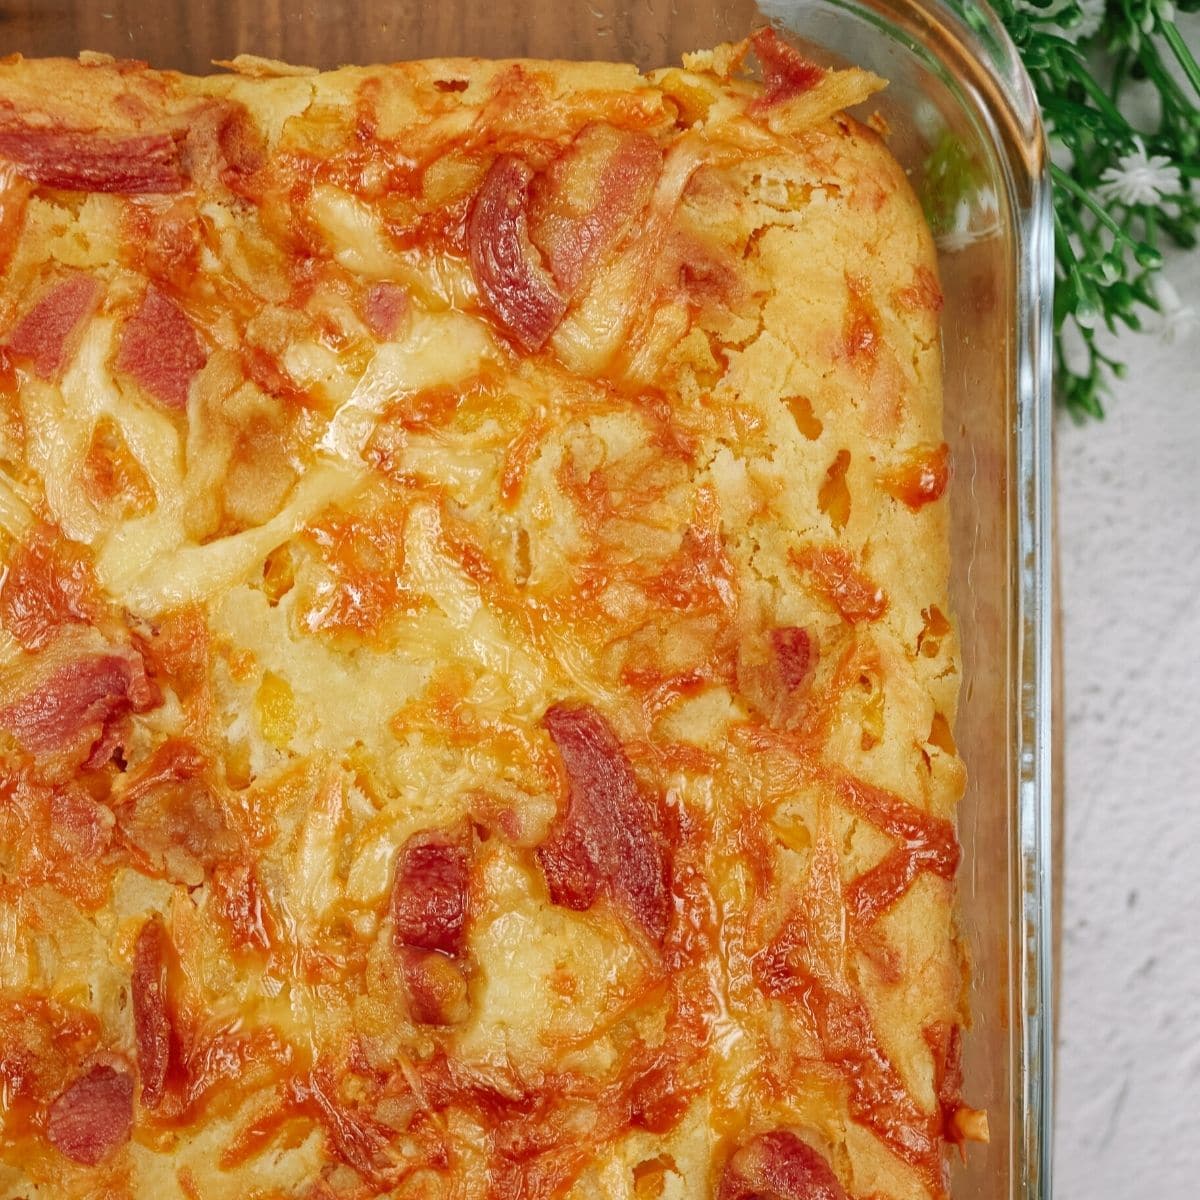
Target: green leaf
[1107,256]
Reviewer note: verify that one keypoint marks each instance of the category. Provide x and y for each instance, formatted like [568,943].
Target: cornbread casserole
[476,684]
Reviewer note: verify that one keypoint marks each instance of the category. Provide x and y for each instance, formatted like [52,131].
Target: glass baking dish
[960,114]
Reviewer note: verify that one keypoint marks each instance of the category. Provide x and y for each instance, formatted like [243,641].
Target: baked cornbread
[476,682]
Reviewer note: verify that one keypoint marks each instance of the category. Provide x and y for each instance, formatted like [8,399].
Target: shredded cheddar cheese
[476,698]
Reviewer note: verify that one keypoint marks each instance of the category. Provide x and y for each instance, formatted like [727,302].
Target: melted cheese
[361,570]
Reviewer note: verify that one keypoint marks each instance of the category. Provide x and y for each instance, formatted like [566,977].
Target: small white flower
[1091,16]
[1090,19]
[1176,320]
[1139,178]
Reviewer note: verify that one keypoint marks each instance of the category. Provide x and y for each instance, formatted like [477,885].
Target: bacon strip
[223,146]
[430,905]
[76,160]
[786,72]
[151,1023]
[588,197]
[608,838]
[49,332]
[79,702]
[505,262]
[779,1166]
[431,893]
[161,350]
[93,1116]
[795,655]
[385,308]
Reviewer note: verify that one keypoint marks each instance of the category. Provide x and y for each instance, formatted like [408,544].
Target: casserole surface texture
[476,684]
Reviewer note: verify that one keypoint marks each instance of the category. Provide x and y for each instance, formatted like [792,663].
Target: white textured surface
[1129,1054]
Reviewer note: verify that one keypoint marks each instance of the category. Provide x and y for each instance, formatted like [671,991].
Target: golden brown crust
[476,684]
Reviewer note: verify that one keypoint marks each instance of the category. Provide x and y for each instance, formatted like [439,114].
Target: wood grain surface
[188,36]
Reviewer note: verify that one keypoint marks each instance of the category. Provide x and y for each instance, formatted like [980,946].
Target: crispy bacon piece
[151,1022]
[224,146]
[429,906]
[77,160]
[385,308]
[161,350]
[589,196]
[921,478]
[505,263]
[786,72]
[779,1166]
[80,702]
[795,655]
[608,838]
[430,896]
[93,1116]
[49,332]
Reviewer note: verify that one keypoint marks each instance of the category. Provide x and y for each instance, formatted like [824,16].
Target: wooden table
[190,36]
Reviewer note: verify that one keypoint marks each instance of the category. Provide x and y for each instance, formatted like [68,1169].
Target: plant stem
[1097,93]
[1062,243]
[1119,72]
[1179,48]
[1152,63]
[1063,180]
